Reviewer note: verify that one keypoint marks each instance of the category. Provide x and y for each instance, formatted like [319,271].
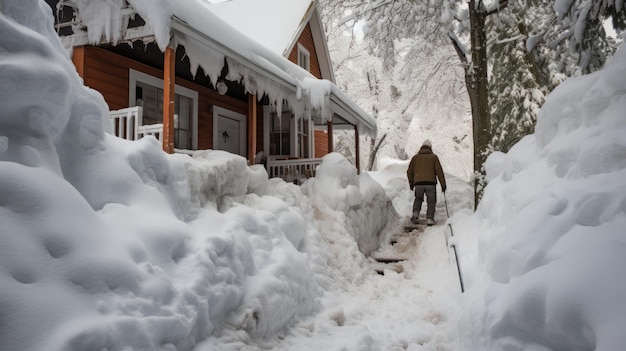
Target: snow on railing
[127,124]
[295,170]
[156,130]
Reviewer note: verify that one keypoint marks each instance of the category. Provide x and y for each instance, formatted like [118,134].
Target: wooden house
[214,76]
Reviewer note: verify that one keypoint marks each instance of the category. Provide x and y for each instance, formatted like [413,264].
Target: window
[288,135]
[147,91]
[304,58]
[280,133]
[304,140]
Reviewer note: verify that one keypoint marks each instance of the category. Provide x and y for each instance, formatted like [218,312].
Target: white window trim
[236,116]
[293,133]
[136,76]
[311,136]
[303,50]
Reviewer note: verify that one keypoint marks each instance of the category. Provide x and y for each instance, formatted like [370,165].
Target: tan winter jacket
[425,168]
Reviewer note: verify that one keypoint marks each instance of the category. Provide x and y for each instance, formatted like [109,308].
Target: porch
[292,170]
[127,123]
[200,89]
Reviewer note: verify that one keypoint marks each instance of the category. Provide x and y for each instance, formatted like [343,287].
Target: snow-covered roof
[273,23]
[208,39]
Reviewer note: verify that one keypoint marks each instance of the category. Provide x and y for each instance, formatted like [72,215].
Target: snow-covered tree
[533,48]
[579,37]
[397,95]
[569,39]
[518,82]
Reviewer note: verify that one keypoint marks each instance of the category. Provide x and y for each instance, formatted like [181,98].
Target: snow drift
[111,244]
[548,269]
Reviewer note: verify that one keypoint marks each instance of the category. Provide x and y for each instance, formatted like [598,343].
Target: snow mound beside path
[547,270]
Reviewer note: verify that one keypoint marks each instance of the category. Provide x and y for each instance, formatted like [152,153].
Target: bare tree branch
[374,151]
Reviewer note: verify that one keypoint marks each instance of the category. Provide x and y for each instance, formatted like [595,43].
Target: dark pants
[431,200]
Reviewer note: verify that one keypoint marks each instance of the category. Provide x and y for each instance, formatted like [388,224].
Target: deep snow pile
[547,271]
[110,244]
[361,204]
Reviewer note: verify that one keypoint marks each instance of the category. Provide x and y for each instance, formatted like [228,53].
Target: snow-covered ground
[412,306]
[109,244]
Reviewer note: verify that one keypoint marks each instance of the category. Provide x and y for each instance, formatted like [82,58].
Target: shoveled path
[407,307]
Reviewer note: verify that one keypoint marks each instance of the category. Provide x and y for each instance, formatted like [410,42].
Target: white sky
[272,23]
[113,244]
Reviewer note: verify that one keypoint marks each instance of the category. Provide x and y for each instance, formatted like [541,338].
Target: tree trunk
[478,91]
[481,112]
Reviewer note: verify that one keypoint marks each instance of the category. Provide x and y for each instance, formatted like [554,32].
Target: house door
[228,135]
[229,131]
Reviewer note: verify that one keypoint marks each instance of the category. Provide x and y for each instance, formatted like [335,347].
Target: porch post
[169,76]
[251,128]
[329,126]
[357,153]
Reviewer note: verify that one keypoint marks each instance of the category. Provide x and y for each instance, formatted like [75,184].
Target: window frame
[135,76]
[267,120]
[293,133]
[307,126]
[303,52]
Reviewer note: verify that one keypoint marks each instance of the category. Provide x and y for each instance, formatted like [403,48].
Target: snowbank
[111,244]
[360,202]
[547,272]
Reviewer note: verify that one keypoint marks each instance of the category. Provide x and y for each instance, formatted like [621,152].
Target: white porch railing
[127,124]
[156,130]
[124,122]
[296,170]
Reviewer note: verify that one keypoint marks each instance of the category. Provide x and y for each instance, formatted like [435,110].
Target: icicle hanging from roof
[208,41]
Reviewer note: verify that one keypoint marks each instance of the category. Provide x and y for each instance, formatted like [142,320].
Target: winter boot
[430,222]
[416,218]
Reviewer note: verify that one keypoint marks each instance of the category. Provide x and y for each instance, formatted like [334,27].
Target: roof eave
[178,25]
[353,115]
[321,46]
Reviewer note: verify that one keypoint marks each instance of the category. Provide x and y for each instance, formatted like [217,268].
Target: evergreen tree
[534,48]
[518,82]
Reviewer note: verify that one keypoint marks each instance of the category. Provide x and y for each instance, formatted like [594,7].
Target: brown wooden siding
[306,40]
[321,143]
[78,58]
[107,73]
